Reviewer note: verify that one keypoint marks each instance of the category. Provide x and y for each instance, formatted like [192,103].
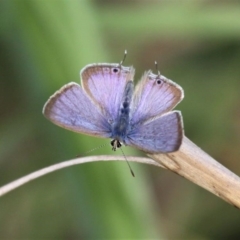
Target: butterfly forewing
[153,96]
[160,135]
[70,108]
[105,84]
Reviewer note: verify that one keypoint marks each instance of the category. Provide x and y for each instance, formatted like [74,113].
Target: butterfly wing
[105,85]
[153,96]
[160,135]
[70,108]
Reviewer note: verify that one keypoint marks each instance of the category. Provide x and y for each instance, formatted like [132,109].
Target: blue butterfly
[108,105]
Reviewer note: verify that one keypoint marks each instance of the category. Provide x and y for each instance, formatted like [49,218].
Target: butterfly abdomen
[121,125]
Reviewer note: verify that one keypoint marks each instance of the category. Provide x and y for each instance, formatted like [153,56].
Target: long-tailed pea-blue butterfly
[108,105]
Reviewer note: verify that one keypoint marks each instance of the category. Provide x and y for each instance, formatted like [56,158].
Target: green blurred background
[43,45]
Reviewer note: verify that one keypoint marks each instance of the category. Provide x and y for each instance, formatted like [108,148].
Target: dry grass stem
[190,162]
[197,166]
[21,181]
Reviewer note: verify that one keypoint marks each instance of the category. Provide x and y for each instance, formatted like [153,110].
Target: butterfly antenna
[127,163]
[94,149]
[124,57]
[156,66]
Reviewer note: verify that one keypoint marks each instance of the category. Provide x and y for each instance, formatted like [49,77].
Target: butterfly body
[109,106]
[121,126]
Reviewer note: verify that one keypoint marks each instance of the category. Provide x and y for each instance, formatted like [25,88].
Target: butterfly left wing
[70,108]
[160,135]
[105,84]
[154,95]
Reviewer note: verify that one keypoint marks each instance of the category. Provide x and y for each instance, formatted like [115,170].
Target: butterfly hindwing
[153,96]
[105,85]
[70,108]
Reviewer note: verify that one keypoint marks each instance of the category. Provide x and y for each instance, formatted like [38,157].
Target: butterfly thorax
[121,125]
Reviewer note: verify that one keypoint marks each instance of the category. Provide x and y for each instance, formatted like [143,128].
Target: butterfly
[108,105]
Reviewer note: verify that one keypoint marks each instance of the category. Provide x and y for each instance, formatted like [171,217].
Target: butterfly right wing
[152,127]
[70,108]
[159,135]
[154,95]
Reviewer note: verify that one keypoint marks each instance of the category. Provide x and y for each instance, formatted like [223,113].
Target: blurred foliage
[43,45]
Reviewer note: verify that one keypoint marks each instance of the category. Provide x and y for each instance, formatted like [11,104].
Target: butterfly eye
[159,81]
[115,70]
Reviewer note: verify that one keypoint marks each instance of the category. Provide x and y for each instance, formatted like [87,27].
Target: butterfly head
[115,144]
